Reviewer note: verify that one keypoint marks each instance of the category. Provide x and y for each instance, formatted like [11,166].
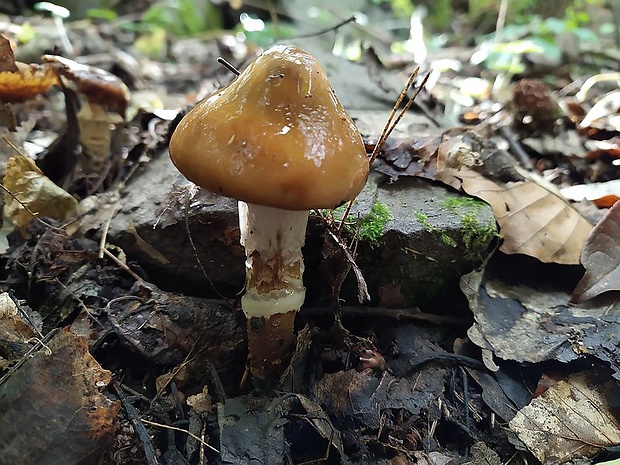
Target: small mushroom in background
[107,98]
[19,82]
[278,140]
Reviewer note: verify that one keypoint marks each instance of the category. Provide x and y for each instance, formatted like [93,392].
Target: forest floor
[466,311]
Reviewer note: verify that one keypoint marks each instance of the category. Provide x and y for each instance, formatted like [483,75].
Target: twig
[181,430]
[138,423]
[123,266]
[347,210]
[79,301]
[362,288]
[352,19]
[40,343]
[456,359]
[516,148]
[390,125]
[399,314]
[195,250]
[394,119]
[226,64]
[104,231]
[501,18]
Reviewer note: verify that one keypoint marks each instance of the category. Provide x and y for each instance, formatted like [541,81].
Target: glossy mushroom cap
[276,136]
[100,87]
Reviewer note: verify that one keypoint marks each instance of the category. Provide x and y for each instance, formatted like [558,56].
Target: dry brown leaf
[52,410]
[522,313]
[201,402]
[34,190]
[601,258]
[532,220]
[7,57]
[572,418]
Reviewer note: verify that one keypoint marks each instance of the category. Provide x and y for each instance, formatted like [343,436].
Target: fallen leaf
[533,220]
[605,114]
[52,410]
[15,333]
[571,419]
[592,191]
[361,397]
[601,258]
[201,402]
[258,430]
[7,57]
[44,198]
[522,313]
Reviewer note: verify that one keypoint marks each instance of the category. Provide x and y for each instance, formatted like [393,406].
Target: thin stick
[392,123]
[197,257]
[181,430]
[389,127]
[386,128]
[80,302]
[347,210]
[104,232]
[138,424]
[123,266]
[352,19]
[40,343]
[501,17]
[228,66]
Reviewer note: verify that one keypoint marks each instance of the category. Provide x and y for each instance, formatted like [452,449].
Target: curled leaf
[601,258]
[34,190]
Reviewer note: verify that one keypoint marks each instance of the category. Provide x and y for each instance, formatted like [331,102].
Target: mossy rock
[431,236]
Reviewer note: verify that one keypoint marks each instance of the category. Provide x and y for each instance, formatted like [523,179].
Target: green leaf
[102,13]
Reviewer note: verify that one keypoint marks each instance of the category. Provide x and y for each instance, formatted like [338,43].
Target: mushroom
[278,140]
[107,98]
[19,82]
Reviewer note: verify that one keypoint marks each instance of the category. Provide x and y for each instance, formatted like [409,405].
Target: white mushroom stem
[272,239]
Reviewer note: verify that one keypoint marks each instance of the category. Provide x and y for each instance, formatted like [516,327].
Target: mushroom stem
[272,238]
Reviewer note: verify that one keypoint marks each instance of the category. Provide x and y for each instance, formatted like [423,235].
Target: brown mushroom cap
[25,83]
[276,136]
[99,86]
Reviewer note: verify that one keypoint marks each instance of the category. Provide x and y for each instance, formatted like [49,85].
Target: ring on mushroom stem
[281,147]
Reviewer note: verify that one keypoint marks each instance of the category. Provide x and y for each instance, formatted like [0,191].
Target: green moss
[457,204]
[445,238]
[370,226]
[475,236]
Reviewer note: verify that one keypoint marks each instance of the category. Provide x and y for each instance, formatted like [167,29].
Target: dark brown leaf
[52,410]
[7,59]
[601,258]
